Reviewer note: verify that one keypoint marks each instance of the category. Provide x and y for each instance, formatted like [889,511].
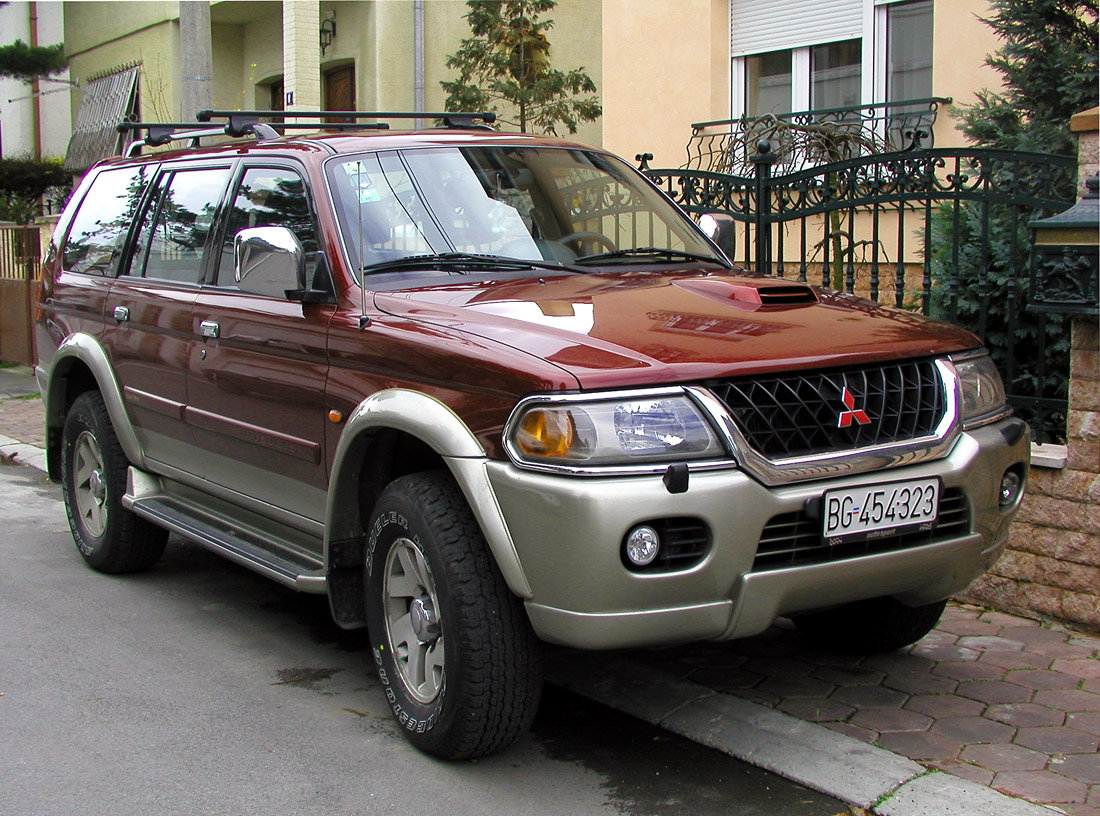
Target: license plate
[876,511]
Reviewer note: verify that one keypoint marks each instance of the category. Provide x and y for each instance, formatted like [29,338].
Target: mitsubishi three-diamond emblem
[852,414]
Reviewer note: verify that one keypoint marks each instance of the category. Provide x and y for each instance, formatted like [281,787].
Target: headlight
[667,427]
[983,393]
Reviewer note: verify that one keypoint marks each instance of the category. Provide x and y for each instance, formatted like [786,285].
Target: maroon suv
[483,389]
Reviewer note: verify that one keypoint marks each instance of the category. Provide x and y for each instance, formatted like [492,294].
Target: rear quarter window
[99,229]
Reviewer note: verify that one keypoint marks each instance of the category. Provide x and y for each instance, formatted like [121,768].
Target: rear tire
[459,663]
[93,479]
[874,625]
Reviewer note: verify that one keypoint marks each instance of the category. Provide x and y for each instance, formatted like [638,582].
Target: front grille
[793,539]
[798,414]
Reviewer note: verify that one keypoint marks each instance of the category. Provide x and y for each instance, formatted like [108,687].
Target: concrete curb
[853,771]
[22,454]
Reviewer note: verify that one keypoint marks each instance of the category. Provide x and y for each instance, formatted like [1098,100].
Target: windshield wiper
[656,253]
[462,261]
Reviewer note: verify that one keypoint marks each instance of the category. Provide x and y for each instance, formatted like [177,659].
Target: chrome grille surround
[833,463]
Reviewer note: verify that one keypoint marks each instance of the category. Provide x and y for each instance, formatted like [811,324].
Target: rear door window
[99,230]
[175,229]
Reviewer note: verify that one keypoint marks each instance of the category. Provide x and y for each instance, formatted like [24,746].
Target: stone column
[196,62]
[301,55]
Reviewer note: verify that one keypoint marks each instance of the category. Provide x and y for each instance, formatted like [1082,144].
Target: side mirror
[721,228]
[269,261]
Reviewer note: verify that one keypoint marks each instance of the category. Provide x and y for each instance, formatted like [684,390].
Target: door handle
[121,313]
[210,329]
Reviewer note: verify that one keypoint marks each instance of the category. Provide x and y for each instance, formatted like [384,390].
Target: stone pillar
[1087,127]
[301,55]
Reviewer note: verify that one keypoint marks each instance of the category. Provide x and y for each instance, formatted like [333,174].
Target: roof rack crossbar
[450,119]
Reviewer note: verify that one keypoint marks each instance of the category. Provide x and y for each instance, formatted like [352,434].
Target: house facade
[659,66]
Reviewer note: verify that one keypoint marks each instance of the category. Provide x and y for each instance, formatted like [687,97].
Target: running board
[241,544]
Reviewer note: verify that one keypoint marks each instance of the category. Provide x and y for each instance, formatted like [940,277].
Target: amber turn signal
[335,416]
[546,432]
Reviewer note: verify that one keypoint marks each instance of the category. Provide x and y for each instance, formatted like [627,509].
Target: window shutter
[759,26]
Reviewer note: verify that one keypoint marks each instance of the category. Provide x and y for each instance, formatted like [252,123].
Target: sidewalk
[989,714]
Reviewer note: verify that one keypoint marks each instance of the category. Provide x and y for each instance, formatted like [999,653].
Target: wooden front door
[340,91]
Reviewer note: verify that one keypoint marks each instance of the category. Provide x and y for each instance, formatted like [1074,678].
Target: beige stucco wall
[665,65]
[960,43]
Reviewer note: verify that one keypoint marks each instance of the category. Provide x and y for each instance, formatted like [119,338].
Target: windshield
[541,204]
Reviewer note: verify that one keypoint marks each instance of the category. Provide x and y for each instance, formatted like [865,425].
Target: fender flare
[87,350]
[438,427]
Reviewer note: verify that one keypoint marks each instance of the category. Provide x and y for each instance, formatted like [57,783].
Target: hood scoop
[752,296]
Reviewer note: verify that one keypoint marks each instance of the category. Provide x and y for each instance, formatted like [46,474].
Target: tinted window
[267,197]
[100,226]
[177,225]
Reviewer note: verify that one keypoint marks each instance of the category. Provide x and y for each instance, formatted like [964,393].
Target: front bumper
[567,532]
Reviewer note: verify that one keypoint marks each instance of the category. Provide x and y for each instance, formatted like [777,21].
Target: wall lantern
[328,32]
[1064,261]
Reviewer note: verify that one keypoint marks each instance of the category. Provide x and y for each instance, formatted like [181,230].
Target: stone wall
[1052,564]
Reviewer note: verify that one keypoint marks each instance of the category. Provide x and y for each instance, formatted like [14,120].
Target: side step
[245,545]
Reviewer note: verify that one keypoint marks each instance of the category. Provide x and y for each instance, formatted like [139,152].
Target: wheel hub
[425,621]
[97,487]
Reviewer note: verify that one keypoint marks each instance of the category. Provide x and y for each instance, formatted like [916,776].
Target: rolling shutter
[758,26]
[106,101]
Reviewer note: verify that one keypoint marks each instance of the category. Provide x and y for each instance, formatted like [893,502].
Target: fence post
[762,162]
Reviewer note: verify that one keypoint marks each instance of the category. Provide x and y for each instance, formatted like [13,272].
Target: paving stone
[1080,810]
[1025,715]
[992,644]
[796,685]
[849,675]
[995,691]
[817,710]
[1069,700]
[1003,619]
[945,705]
[725,679]
[1039,679]
[968,670]
[1088,722]
[1094,796]
[921,746]
[852,731]
[1032,635]
[970,730]
[764,698]
[890,719]
[1016,660]
[1002,757]
[762,647]
[1040,786]
[713,658]
[945,652]
[869,696]
[968,627]
[1057,740]
[1088,668]
[965,770]
[778,666]
[895,662]
[1063,650]
[957,611]
[1082,767]
[1091,685]
[922,682]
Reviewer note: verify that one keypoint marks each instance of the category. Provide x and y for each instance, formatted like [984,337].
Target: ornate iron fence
[939,231]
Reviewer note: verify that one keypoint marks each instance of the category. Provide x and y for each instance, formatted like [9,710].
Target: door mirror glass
[722,229]
[268,261]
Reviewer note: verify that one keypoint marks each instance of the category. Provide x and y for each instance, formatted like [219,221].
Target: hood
[635,328]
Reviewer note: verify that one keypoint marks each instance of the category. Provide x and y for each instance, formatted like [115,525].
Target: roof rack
[244,123]
[450,119]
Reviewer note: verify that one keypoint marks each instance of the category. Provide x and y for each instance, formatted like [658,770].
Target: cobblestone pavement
[1003,701]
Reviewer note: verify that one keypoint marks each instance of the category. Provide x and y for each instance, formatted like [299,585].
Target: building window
[835,75]
[909,51]
[768,83]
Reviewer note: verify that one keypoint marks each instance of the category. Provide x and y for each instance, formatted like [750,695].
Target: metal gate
[939,231]
[19,264]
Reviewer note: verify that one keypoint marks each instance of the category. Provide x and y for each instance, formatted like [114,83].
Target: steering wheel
[581,237]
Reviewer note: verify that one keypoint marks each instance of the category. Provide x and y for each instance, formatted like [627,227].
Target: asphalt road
[201,688]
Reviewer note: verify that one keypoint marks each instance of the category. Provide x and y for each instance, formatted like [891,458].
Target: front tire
[870,626]
[93,479]
[459,663]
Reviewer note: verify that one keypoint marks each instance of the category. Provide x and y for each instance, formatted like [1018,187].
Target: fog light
[1010,488]
[641,546]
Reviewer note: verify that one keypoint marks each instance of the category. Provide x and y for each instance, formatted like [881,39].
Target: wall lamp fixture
[328,32]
